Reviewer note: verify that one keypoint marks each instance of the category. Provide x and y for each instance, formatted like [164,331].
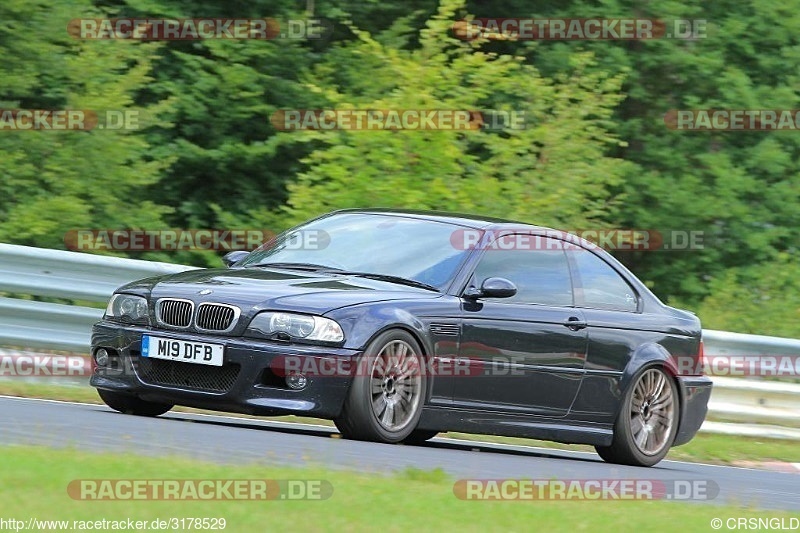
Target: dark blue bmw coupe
[400,325]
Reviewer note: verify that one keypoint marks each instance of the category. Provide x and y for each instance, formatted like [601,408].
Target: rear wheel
[129,404]
[647,422]
[386,397]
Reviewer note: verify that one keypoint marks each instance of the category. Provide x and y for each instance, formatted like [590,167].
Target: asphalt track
[237,440]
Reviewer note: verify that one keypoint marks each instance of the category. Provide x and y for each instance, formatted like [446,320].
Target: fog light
[101,357]
[296,381]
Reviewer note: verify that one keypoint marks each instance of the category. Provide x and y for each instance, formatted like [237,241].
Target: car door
[615,328]
[530,348]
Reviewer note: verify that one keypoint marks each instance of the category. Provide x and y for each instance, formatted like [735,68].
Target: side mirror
[234,257]
[492,288]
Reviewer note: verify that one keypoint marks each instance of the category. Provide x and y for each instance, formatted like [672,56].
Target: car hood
[262,288]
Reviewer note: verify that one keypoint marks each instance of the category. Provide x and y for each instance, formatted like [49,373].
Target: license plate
[185,351]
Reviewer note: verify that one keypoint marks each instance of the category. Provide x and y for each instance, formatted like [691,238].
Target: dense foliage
[596,152]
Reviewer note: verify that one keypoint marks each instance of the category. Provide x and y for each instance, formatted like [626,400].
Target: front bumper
[695,392]
[254,389]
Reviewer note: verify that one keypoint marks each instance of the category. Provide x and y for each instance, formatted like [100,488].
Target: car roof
[461,219]
[484,223]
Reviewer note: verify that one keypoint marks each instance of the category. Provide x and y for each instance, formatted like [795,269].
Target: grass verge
[35,481]
[704,448]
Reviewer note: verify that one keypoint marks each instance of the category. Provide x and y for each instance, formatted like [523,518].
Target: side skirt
[494,423]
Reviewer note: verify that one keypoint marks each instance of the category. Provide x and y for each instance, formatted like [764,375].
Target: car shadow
[484,447]
[441,443]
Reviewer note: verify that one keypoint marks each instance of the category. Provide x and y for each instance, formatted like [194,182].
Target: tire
[131,405]
[388,391]
[647,422]
[418,436]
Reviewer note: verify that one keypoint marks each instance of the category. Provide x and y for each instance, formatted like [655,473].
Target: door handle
[575,324]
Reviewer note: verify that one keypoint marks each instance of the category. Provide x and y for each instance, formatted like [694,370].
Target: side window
[599,286]
[541,275]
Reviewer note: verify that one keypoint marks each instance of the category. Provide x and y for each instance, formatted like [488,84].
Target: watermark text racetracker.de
[29,365]
[617,239]
[68,119]
[733,119]
[439,366]
[579,29]
[199,489]
[191,29]
[585,489]
[143,240]
[397,119]
[739,365]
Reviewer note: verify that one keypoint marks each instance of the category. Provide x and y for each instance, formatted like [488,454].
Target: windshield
[410,248]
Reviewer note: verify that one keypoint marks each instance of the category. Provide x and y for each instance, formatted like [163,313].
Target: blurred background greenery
[596,154]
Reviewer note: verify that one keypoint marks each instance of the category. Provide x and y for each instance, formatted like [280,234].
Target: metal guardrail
[77,276]
[752,406]
[738,406]
[46,325]
[726,343]
[37,272]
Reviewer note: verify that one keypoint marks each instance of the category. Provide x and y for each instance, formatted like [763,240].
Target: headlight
[312,328]
[128,308]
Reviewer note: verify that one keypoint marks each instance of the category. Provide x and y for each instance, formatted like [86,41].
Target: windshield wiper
[388,277]
[312,267]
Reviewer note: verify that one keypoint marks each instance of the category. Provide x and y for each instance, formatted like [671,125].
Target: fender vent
[445,329]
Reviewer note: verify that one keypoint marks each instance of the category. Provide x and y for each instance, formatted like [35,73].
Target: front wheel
[647,422]
[386,397]
[129,404]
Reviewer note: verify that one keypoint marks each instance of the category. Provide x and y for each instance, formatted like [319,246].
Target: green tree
[225,155]
[55,181]
[554,171]
[740,188]
[762,299]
